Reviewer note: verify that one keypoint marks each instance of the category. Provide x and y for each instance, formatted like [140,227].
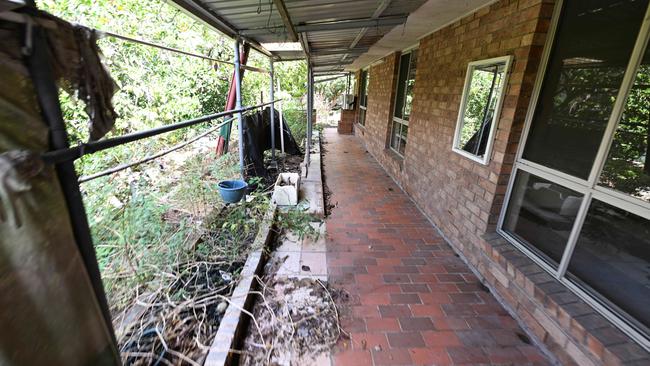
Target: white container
[285,192]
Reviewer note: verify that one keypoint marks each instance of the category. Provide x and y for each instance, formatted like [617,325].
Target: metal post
[238,106]
[272,96]
[310,107]
[347,85]
[281,122]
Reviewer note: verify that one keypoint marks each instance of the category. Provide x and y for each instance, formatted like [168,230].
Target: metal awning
[335,35]
[332,33]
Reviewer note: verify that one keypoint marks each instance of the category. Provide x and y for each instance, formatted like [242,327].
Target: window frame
[589,188]
[497,109]
[363,97]
[394,119]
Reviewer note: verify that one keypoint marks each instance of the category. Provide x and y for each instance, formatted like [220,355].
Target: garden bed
[176,322]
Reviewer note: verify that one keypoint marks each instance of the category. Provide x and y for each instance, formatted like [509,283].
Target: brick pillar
[347,121]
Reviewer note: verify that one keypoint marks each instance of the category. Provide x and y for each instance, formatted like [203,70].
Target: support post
[347,85]
[310,107]
[272,96]
[281,122]
[238,106]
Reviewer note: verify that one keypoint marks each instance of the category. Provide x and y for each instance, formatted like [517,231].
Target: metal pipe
[272,96]
[281,122]
[310,101]
[240,120]
[149,158]
[223,144]
[75,152]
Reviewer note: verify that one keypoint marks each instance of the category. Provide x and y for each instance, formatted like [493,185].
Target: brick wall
[463,198]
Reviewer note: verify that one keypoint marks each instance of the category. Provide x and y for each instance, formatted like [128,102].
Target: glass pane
[541,214]
[362,116]
[394,136]
[591,51]
[627,168]
[410,84]
[484,90]
[401,84]
[612,258]
[364,89]
[405,131]
[402,146]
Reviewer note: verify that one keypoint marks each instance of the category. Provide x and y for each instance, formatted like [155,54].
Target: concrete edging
[311,186]
[234,320]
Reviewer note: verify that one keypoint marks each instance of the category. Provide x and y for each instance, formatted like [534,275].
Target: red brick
[368,341]
[405,299]
[353,358]
[392,357]
[382,324]
[394,311]
[441,338]
[430,356]
[416,324]
[405,339]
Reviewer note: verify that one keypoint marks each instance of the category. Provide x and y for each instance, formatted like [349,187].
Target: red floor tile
[411,301]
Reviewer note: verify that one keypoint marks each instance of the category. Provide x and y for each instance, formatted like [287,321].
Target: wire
[176,50]
[149,158]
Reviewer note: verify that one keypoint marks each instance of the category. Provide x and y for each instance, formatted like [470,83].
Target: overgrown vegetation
[144,219]
[164,240]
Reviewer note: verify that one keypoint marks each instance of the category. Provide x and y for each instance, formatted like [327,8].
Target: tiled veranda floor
[412,301]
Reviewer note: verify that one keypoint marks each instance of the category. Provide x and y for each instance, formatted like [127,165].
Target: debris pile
[176,323]
[177,326]
[298,323]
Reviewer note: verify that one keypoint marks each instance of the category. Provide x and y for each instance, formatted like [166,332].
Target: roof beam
[197,11]
[338,51]
[331,63]
[329,26]
[362,32]
[329,79]
[286,19]
[305,45]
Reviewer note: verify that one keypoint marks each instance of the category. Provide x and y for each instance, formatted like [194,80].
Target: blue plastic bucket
[232,191]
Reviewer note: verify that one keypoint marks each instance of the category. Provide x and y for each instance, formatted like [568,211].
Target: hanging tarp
[76,64]
[257,140]
[49,313]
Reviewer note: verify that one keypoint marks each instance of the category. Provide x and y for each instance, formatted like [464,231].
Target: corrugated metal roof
[330,49]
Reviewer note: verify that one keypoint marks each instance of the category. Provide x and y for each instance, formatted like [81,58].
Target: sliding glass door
[579,199]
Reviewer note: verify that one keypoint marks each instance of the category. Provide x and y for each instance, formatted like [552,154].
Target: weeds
[297,221]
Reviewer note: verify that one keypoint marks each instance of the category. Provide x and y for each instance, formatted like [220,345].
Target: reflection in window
[403,101]
[627,168]
[398,137]
[541,214]
[362,116]
[363,92]
[592,48]
[612,259]
[482,95]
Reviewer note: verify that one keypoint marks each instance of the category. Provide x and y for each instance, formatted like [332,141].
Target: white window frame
[401,121]
[589,188]
[361,106]
[497,109]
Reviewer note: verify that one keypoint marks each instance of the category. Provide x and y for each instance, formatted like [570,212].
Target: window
[479,108]
[579,198]
[363,97]
[403,101]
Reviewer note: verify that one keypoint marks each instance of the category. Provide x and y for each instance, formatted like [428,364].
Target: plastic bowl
[232,191]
